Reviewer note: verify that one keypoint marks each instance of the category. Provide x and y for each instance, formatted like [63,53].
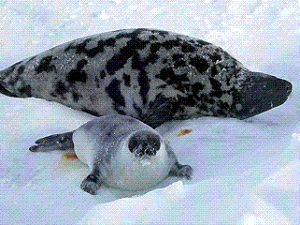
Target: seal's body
[151,75]
[121,152]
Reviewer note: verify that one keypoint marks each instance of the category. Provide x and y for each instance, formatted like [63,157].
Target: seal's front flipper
[259,93]
[91,183]
[160,111]
[54,142]
[179,170]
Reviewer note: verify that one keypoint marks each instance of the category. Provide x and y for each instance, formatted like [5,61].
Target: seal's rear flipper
[91,183]
[260,92]
[54,142]
[4,91]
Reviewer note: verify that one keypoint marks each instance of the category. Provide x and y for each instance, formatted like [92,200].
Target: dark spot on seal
[78,74]
[169,44]
[143,80]
[80,48]
[215,57]
[161,32]
[224,106]
[217,94]
[92,112]
[110,42]
[201,42]
[132,34]
[178,56]
[21,70]
[76,96]
[209,98]
[25,91]
[119,60]
[179,82]
[152,58]
[154,47]
[203,107]
[214,71]
[102,74]
[127,80]
[100,47]
[81,63]
[13,81]
[196,88]
[138,110]
[205,99]
[114,92]
[187,101]
[97,81]
[144,83]
[69,47]
[152,37]
[180,63]
[45,65]
[178,60]
[216,85]
[61,88]
[186,47]
[221,113]
[199,63]
[91,53]
[165,73]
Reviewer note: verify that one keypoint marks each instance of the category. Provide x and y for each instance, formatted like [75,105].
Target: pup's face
[144,144]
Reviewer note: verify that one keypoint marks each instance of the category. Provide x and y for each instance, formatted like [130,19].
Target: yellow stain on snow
[183,132]
[69,165]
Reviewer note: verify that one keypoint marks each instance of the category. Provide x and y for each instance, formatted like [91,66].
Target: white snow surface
[245,172]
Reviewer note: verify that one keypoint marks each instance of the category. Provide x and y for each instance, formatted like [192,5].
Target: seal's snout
[144,144]
[145,149]
[288,87]
[261,92]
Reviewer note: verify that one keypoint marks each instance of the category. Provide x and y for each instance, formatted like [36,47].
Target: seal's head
[260,92]
[144,144]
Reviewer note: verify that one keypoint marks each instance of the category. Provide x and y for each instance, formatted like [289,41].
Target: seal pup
[121,152]
[152,75]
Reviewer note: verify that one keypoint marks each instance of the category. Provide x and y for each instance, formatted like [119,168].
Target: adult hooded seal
[152,75]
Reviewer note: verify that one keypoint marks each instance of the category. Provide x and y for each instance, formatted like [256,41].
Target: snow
[245,172]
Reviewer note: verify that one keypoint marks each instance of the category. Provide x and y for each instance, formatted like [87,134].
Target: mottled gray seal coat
[121,152]
[151,75]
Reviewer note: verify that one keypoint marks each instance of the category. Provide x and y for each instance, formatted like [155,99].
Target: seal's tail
[11,84]
[54,142]
[259,93]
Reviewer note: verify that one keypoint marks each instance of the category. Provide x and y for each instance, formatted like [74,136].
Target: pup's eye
[155,143]
[133,143]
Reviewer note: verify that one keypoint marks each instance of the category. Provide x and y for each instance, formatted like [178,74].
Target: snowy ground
[245,172]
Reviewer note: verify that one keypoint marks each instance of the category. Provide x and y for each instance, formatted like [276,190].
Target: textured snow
[245,172]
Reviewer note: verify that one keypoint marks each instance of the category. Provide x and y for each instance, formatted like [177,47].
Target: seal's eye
[133,143]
